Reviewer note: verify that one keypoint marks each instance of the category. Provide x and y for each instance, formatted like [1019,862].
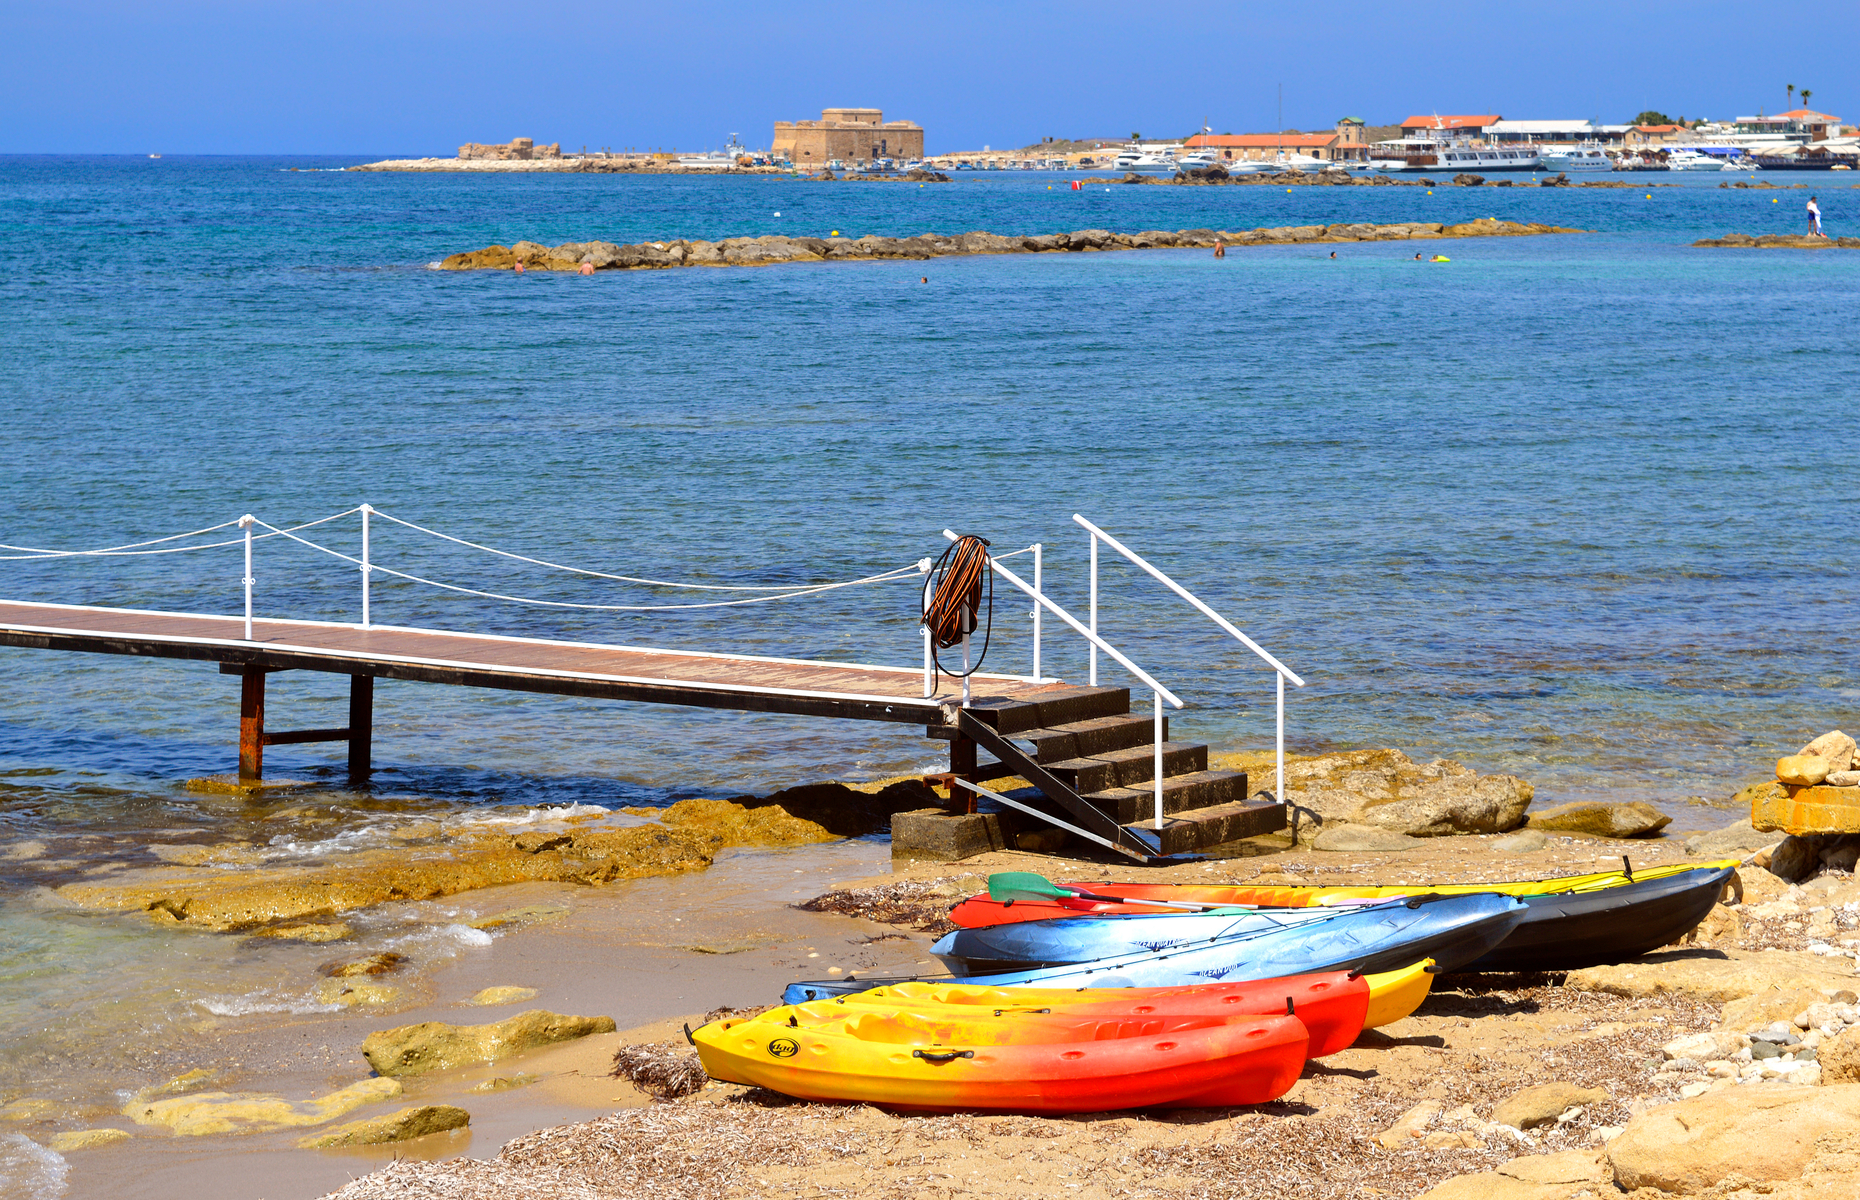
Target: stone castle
[516,148]
[848,134]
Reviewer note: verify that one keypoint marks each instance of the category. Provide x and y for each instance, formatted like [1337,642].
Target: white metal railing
[1159,692]
[1281,672]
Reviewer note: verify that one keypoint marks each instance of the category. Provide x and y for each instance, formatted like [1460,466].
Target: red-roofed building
[1471,126]
[1798,122]
[1345,144]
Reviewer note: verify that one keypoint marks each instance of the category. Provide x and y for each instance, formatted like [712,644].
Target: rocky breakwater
[768,250]
[1815,801]
[1779,241]
[233,887]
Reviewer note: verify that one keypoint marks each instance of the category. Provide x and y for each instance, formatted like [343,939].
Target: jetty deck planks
[744,682]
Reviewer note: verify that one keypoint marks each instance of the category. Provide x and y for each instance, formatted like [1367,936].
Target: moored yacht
[1684,159]
[1138,158]
[1587,157]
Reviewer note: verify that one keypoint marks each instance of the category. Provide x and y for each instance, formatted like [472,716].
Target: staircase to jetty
[1096,768]
[1092,765]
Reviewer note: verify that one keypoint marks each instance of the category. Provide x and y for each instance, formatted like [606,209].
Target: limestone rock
[1840,1057]
[1833,747]
[249,1112]
[1543,1104]
[1796,859]
[726,824]
[528,914]
[1704,1047]
[374,964]
[1405,1131]
[1490,1185]
[86,1139]
[1568,1166]
[1731,841]
[1716,976]
[227,899]
[353,993]
[502,995]
[1842,779]
[187,1081]
[1631,819]
[400,1126]
[315,932]
[1767,1134]
[505,1083]
[1389,790]
[1773,1004]
[1525,841]
[1803,770]
[1354,838]
[436,1046]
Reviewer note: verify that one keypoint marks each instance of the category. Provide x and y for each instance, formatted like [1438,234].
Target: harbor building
[1799,125]
[850,135]
[1345,144]
[1553,133]
[1472,126]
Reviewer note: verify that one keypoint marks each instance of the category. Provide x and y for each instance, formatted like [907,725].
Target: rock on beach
[405,1125]
[437,1046]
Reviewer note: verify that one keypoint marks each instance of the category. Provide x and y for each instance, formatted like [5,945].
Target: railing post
[366,509]
[1281,740]
[245,523]
[1159,758]
[929,659]
[965,656]
[1094,609]
[1037,677]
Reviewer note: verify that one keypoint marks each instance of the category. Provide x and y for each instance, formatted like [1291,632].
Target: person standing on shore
[1814,219]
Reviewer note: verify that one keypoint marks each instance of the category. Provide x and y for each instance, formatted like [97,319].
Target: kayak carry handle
[942,1056]
[1627,868]
[999,1011]
[688,1036]
[1288,1007]
[792,1023]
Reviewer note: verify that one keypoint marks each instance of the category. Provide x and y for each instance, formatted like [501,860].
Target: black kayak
[1564,931]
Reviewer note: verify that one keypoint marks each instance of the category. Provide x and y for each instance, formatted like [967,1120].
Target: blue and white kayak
[1452,930]
[1029,945]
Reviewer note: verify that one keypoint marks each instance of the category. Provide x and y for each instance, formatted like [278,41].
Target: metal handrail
[1079,626]
[1189,596]
[1281,672]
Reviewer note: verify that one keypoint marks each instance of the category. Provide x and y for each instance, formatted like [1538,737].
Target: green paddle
[1009,886]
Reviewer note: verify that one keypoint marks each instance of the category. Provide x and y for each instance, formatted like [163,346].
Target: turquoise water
[1576,507]
[1568,506]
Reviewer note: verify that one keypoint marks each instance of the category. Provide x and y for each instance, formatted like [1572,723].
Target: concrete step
[1073,704]
[1188,832]
[1128,767]
[1091,738]
[1198,789]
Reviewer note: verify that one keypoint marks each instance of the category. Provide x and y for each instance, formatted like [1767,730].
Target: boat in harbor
[1586,157]
[714,160]
[1136,158]
[1199,160]
[1685,159]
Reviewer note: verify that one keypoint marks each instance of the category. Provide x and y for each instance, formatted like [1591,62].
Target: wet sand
[639,952]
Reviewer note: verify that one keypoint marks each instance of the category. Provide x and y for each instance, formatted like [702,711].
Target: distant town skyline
[215,76]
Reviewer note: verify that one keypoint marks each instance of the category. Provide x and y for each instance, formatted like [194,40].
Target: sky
[423,76]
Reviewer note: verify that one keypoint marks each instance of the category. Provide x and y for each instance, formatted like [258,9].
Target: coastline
[565,165]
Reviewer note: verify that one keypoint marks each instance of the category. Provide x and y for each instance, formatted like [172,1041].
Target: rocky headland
[1204,176]
[763,251]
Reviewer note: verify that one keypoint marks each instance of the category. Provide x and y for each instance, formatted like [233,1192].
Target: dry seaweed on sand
[920,906]
[662,1070]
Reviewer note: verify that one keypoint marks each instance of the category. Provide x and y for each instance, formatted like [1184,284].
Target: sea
[1576,507]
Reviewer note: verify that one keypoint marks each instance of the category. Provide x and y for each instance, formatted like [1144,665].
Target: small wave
[29,1169]
[265,1002]
[464,935]
[536,816]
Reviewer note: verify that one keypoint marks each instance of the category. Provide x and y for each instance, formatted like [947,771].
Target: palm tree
[1805,95]
[1791,94]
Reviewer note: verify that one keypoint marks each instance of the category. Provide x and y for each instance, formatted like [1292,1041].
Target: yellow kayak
[1006,1061]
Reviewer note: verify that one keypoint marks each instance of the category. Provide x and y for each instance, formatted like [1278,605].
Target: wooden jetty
[1090,759]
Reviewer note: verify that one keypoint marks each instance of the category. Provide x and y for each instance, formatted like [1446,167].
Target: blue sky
[398,76]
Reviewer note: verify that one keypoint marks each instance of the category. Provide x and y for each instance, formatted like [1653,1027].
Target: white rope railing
[131,550]
[915,570]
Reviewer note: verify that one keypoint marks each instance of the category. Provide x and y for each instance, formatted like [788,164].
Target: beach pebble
[1544,1104]
[1802,770]
[503,995]
[1694,1089]
[1721,1069]
[1762,1050]
[1525,841]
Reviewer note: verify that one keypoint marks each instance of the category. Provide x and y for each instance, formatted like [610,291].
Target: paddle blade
[1024,885]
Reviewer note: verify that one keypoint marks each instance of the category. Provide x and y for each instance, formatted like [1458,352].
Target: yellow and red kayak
[1331,1005]
[1017,1061]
